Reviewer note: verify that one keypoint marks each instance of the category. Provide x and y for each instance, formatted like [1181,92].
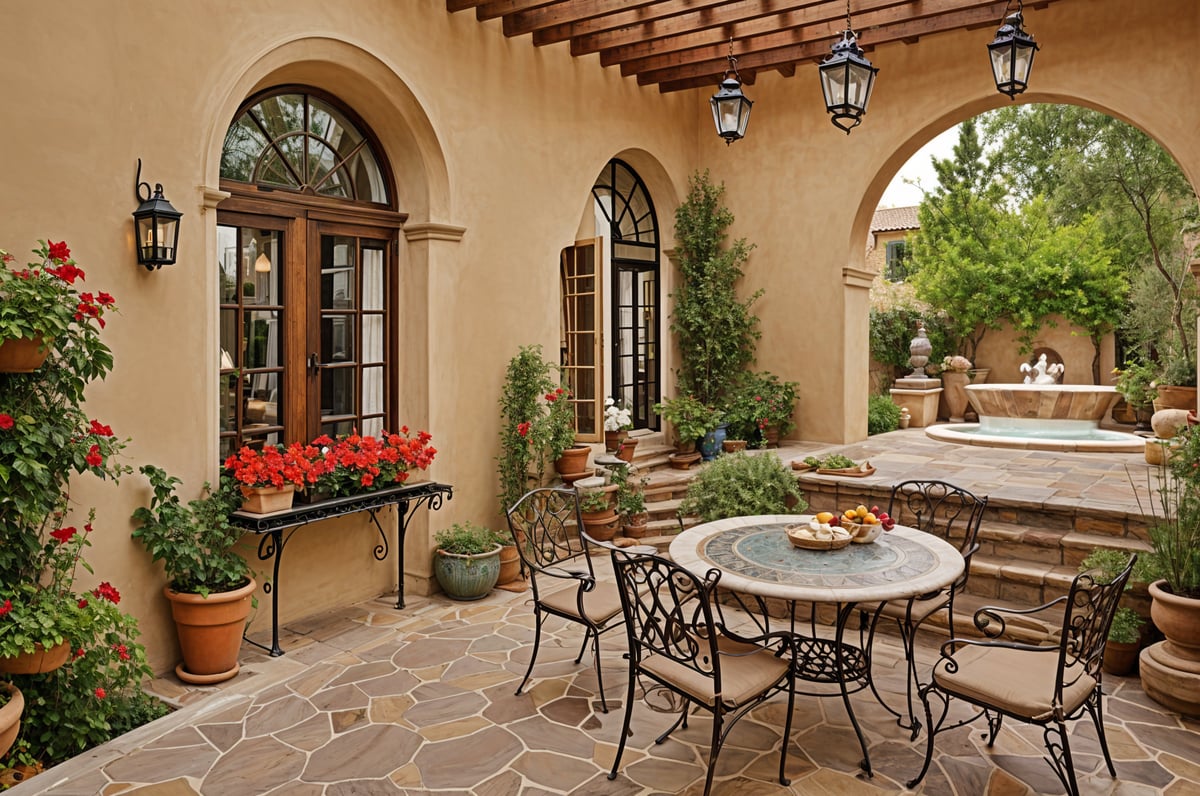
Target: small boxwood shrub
[882,414]
[743,484]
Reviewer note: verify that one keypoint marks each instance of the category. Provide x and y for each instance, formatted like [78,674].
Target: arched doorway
[307,258]
[615,351]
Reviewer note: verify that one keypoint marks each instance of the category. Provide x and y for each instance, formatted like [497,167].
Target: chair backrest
[547,527]
[1091,605]
[942,509]
[668,613]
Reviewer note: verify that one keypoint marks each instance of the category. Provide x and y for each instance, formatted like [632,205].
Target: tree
[716,330]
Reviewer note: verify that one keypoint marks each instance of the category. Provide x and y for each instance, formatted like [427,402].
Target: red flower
[106,591]
[6,422]
[104,299]
[6,607]
[101,430]
[63,535]
[82,603]
[79,653]
[523,429]
[67,273]
[59,251]
[100,693]
[87,527]
[94,458]
[122,651]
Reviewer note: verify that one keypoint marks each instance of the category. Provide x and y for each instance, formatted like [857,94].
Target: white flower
[616,417]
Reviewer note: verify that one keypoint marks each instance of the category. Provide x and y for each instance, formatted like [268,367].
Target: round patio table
[755,558]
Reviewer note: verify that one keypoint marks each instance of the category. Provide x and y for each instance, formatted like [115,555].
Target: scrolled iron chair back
[546,525]
[942,509]
[1091,605]
[668,611]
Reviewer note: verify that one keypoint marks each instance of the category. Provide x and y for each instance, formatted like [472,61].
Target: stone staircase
[1028,554]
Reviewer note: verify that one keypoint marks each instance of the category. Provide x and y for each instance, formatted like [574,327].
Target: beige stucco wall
[495,145]
[1000,351]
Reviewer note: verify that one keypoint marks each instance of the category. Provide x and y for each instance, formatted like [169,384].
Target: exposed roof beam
[638,16]
[566,12]
[499,8]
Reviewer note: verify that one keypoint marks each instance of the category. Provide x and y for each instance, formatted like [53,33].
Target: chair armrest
[785,639]
[588,581]
[949,648]
[990,618]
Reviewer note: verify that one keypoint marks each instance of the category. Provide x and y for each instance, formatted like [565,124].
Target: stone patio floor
[374,700]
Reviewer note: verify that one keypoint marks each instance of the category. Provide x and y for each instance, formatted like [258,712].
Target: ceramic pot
[1179,620]
[573,460]
[683,461]
[685,448]
[613,440]
[210,631]
[10,717]
[40,661]
[24,355]
[510,564]
[954,386]
[602,530]
[466,576]
[978,375]
[267,499]
[733,445]
[628,446]
[635,525]
[771,436]
[1171,397]
[1120,658]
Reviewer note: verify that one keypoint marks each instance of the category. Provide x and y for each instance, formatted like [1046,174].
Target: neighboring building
[887,245]
[382,201]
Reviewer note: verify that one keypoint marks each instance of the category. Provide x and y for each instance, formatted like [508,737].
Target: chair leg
[587,635]
[1059,758]
[908,636]
[1095,707]
[787,728]
[931,729]
[714,749]
[994,723]
[870,651]
[625,727]
[682,720]
[539,617]
[599,676]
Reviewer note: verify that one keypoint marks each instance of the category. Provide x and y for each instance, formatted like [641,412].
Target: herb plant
[466,539]
[743,484]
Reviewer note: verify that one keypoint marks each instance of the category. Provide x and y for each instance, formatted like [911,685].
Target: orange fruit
[824,516]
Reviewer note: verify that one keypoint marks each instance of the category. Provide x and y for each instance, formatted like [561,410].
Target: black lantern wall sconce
[155,224]
[1012,54]
[847,79]
[730,107]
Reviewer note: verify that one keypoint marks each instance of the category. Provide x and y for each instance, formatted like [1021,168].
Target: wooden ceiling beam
[641,15]
[566,12]
[701,82]
[782,56]
[462,5]
[782,32]
[498,8]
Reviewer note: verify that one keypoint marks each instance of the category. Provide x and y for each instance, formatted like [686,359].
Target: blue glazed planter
[466,577]
[710,446]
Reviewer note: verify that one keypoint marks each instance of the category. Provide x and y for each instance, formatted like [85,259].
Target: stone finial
[918,353]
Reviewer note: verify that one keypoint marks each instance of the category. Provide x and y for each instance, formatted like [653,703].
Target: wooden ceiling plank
[783,32]
[660,9]
[868,38]
[492,9]
[566,12]
[462,5]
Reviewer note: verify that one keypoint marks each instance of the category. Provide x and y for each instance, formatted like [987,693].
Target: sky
[919,167]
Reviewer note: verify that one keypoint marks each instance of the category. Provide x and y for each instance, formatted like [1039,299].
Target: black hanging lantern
[1012,54]
[847,78]
[156,225]
[730,107]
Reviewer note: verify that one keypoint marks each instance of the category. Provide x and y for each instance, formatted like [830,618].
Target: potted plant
[743,484]
[690,418]
[466,561]
[1176,383]
[355,463]
[12,704]
[771,402]
[954,384]
[268,478]
[510,559]
[1124,634]
[208,583]
[597,506]
[532,427]
[39,304]
[1135,382]
[631,505]
[617,422]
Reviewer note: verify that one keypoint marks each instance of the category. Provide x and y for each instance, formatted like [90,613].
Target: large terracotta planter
[573,460]
[40,661]
[510,564]
[1120,658]
[267,499]
[10,716]
[1179,620]
[1171,397]
[635,525]
[210,632]
[24,355]
[466,577]
[954,386]
[1170,669]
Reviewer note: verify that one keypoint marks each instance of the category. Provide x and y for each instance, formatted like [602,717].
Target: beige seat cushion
[1020,682]
[921,609]
[746,671]
[600,604]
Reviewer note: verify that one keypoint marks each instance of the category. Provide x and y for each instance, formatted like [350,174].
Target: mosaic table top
[755,557]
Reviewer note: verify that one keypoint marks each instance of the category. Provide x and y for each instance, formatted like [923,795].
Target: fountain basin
[1084,402]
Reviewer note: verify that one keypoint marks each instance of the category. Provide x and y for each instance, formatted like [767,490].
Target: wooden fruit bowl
[840,539]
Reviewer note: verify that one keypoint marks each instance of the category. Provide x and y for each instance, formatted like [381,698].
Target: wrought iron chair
[1044,685]
[675,642]
[548,530]
[954,514]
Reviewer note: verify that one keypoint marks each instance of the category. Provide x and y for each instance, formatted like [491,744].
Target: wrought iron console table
[276,530]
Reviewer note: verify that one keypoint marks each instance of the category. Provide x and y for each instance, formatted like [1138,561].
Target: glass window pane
[262,266]
[274,172]
[230,341]
[262,400]
[227,264]
[229,399]
[258,439]
[372,286]
[337,391]
[229,446]
[264,340]
[338,428]
[337,338]
[338,272]
[372,426]
[372,341]
[243,142]
[372,389]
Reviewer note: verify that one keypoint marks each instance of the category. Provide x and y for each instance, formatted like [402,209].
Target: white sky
[919,167]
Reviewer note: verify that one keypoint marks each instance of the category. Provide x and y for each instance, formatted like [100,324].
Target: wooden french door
[583,335]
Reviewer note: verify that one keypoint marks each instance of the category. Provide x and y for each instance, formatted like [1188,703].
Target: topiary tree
[715,329]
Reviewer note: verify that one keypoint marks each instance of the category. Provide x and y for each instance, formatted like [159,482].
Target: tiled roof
[890,218]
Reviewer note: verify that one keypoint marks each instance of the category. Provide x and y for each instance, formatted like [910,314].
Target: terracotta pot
[771,436]
[682,461]
[685,448]
[267,499]
[1123,413]
[601,530]
[573,460]
[613,440]
[733,445]
[10,717]
[954,385]
[24,355]
[40,661]
[978,375]
[628,446]
[1171,397]
[1179,620]
[635,525]
[1120,658]
[510,564]
[210,631]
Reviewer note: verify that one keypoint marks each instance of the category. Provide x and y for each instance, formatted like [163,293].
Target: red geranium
[276,466]
[63,535]
[6,422]
[355,463]
[106,591]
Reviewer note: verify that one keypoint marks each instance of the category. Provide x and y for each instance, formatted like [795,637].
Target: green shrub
[882,414]
[743,485]
[1126,627]
[893,330]
[466,539]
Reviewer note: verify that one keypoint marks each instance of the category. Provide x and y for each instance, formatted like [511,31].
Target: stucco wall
[495,145]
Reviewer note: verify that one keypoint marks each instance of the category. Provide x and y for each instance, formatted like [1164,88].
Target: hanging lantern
[847,79]
[1012,54]
[730,107]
